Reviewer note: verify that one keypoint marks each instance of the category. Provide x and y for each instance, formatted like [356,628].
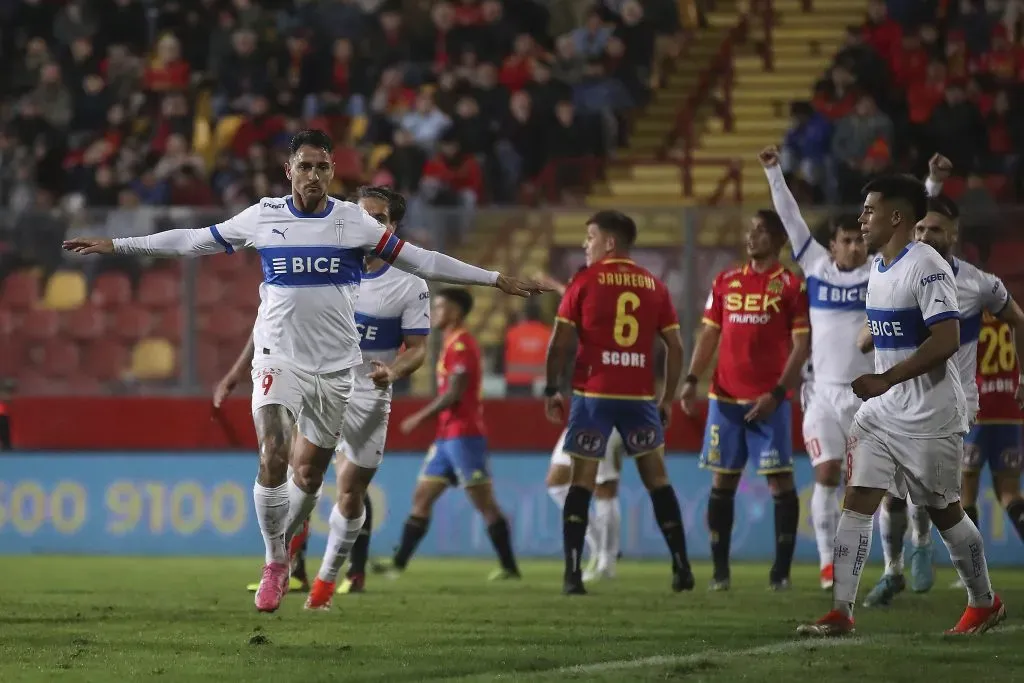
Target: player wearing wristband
[757,318]
[616,310]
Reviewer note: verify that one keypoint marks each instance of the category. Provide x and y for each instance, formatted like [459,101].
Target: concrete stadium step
[821,31]
[775,79]
[757,92]
[813,64]
[847,17]
[646,201]
[799,49]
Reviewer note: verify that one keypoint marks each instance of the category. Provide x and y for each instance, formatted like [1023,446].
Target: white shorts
[828,415]
[610,465]
[316,401]
[365,429]
[927,468]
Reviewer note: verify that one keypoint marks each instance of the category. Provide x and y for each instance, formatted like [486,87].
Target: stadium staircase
[804,37]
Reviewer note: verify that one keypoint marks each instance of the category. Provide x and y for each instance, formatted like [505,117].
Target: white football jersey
[978,292]
[391,306]
[312,266]
[916,290]
[836,296]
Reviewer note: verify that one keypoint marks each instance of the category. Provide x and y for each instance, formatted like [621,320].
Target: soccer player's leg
[469,456]
[589,427]
[607,512]
[871,470]
[1005,465]
[892,526]
[355,577]
[933,480]
[724,453]
[557,482]
[771,440]
[644,439]
[276,402]
[978,445]
[825,439]
[436,475]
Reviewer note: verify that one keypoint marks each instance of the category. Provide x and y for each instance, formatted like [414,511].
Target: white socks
[272,514]
[967,550]
[559,494]
[892,524]
[825,517]
[852,546]
[920,525]
[608,520]
[342,537]
[301,506]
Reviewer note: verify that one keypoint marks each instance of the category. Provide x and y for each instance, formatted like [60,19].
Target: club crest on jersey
[775,287]
[642,439]
[589,443]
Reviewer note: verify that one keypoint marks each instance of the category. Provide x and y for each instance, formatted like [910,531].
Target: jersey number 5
[627,327]
[998,355]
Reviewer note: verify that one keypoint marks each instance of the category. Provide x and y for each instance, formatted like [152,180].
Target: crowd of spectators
[918,77]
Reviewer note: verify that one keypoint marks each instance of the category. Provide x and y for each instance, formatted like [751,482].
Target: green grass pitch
[77,619]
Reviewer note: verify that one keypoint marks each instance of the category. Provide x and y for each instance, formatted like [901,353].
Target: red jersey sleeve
[798,307]
[713,307]
[668,319]
[459,357]
[569,307]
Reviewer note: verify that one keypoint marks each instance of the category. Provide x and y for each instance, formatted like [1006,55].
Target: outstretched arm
[805,248]
[169,243]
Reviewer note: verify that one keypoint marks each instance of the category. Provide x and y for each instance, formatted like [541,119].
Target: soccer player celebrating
[980,294]
[908,435]
[459,454]
[604,530]
[837,282]
[756,316]
[392,311]
[306,339]
[616,309]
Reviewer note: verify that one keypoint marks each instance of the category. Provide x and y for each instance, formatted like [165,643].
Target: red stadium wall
[106,423]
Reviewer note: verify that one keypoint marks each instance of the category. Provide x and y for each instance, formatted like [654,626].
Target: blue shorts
[461,461]
[998,445]
[729,440]
[592,419]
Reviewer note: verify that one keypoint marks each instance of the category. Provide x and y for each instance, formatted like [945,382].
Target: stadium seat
[131,323]
[159,290]
[222,263]
[357,129]
[13,360]
[153,359]
[82,385]
[32,383]
[55,358]
[8,322]
[348,164]
[85,323]
[110,290]
[105,360]
[227,325]
[377,156]
[209,365]
[20,289]
[225,131]
[64,290]
[209,289]
[170,324]
[40,323]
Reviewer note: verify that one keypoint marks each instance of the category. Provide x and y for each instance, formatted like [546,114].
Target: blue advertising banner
[201,504]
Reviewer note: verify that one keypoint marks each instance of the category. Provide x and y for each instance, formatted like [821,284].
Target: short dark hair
[458,296]
[313,138]
[944,206]
[395,201]
[846,222]
[618,224]
[774,225]
[901,187]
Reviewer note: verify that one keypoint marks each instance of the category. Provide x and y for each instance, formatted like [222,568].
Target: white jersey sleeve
[416,314]
[807,251]
[934,288]
[994,296]
[932,187]
[430,265]
[235,233]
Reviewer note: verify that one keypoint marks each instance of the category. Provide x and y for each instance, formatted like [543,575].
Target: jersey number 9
[998,355]
[627,327]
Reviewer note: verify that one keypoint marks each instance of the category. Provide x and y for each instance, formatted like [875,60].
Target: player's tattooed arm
[865,342]
[1014,317]
[228,383]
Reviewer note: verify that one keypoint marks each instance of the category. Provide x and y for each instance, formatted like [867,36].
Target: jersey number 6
[627,328]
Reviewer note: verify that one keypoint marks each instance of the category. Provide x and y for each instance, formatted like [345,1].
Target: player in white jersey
[907,437]
[980,293]
[837,282]
[604,529]
[306,340]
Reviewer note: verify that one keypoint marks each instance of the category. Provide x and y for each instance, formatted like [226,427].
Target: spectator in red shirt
[836,96]
[261,127]
[924,95]
[912,65]
[517,69]
[1002,61]
[468,13]
[167,71]
[452,178]
[882,33]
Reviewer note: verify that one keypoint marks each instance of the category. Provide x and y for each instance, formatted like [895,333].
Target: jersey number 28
[998,354]
[627,327]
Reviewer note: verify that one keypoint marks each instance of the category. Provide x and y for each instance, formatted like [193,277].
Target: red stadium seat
[40,324]
[131,323]
[170,324]
[954,187]
[83,385]
[106,361]
[33,383]
[209,289]
[14,357]
[228,325]
[55,358]
[222,264]
[159,290]
[8,322]
[85,324]
[1007,259]
[20,289]
[209,365]
[111,290]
